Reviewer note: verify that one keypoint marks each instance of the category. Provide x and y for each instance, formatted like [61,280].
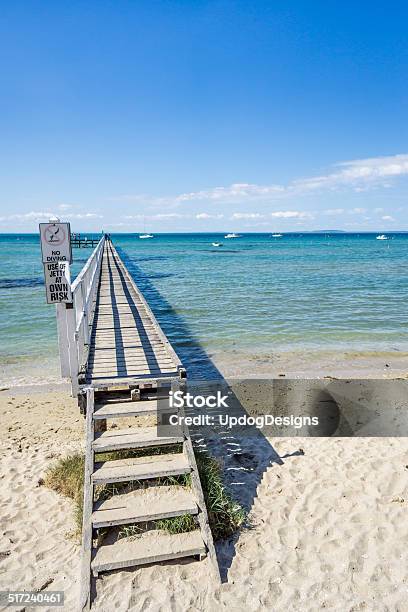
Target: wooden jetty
[80,242]
[121,365]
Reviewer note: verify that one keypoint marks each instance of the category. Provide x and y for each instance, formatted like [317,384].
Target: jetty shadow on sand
[244,457]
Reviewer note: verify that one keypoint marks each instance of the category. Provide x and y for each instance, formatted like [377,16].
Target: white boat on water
[146,236]
[232,235]
[382,237]
[216,244]
[276,235]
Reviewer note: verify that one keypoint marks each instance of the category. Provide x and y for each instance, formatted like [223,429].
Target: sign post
[56,257]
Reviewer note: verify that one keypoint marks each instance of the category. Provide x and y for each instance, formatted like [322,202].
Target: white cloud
[387,218]
[84,216]
[163,216]
[233,193]
[39,216]
[157,217]
[279,214]
[334,211]
[360,175]
[237,216]
[31,216]
[204,215]
[65,206]
[291,214]
[358,211]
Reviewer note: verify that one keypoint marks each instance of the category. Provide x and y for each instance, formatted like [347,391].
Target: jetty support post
[63,342]
[73,350]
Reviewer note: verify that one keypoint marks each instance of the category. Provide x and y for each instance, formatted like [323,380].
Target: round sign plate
[54,235]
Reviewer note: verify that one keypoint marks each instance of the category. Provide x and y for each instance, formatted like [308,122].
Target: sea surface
[255,295]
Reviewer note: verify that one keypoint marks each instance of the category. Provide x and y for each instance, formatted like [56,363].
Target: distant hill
[327,231]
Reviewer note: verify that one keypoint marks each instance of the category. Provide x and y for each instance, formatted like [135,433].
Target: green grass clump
[225,515]
[140,452]
[67,477]
[175,524]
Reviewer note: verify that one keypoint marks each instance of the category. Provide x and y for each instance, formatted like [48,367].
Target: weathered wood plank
[123,409]
[150,547]
[144,505]
[141,468]
[85,602]
[116,439]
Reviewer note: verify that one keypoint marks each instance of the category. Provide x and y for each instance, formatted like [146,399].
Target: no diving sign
[55,242]
[56,257]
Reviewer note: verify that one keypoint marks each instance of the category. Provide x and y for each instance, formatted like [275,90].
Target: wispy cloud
[238,216]
[65,207]
[236,191]
[356,175]
[359,173]
[204,216]
[39,216]
[278,214]
[332,212]
[291,214]
[158,217]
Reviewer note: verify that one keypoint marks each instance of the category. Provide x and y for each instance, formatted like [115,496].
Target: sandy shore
[312,364]
[328,526]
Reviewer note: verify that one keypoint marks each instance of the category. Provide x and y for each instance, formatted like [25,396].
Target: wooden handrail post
[73,349]
[63,344]
[85,322]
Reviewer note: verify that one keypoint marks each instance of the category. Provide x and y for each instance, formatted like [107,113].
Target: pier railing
[75,320]
[83,290]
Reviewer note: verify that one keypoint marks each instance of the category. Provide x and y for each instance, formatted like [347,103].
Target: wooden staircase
[147,499]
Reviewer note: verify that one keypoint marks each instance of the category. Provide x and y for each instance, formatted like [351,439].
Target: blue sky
[197,116]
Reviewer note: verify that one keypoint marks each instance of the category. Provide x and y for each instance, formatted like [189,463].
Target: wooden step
[110,410]
[117,439]
[143,505]
[150,547]
[141,468]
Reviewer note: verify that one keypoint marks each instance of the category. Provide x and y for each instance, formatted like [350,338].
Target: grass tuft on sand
[67,477]
[225,515]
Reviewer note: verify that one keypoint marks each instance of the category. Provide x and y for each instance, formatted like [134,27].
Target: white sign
[55,242]
[57,282]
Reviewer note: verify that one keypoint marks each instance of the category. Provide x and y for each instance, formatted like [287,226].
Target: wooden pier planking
[125,367]
[125,340]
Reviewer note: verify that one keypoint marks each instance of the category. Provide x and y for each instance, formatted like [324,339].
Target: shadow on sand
[244,457]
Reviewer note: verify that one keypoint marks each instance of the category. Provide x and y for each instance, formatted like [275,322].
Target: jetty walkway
[121,365]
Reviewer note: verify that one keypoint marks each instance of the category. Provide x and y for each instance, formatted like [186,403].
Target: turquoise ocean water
[255,294]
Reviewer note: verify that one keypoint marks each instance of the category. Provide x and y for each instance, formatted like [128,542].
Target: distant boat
[276,235]
[232,235]
[216,244]
[145,235]
[382,237]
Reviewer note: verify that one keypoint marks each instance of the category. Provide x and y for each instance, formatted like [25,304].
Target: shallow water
[254,295]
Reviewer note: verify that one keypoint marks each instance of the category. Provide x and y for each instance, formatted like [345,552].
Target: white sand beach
[328,525]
